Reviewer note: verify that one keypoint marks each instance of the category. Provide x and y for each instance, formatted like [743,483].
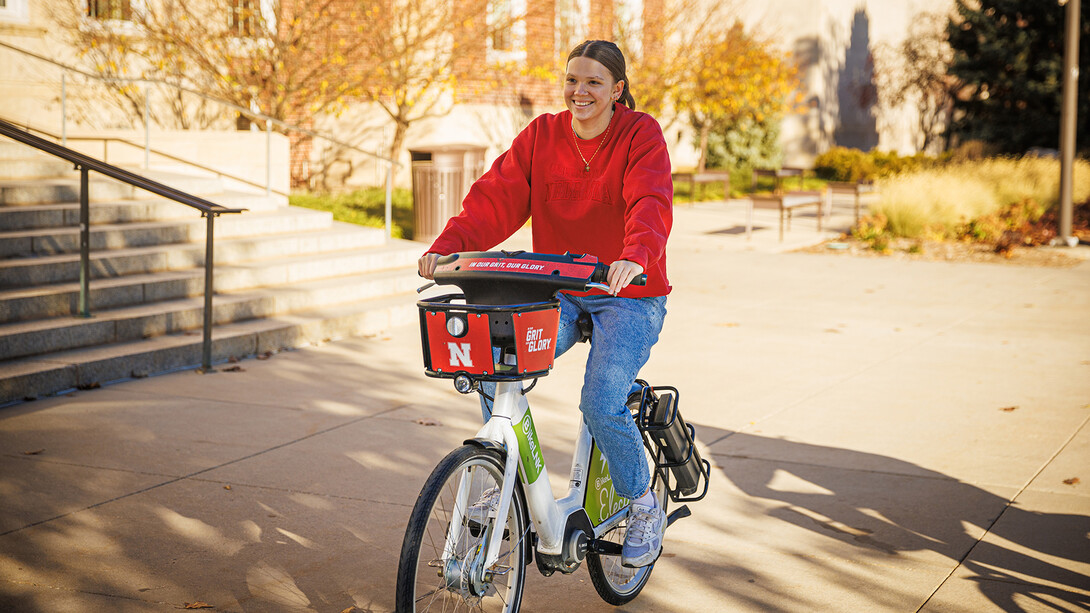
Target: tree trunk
[400,128]
[705,128]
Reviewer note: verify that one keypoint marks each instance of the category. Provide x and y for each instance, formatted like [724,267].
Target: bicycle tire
[421,584]
[618,584]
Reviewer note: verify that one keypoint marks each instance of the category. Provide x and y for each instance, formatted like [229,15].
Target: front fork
[510,411]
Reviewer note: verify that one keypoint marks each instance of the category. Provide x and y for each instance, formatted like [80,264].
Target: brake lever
[421,290]
[595,285]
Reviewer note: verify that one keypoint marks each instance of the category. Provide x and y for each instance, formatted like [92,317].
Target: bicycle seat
[516,277]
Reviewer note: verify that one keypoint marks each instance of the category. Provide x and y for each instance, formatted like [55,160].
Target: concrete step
[23,339]
[55,241]
[57,300]
[51,190]
[34,168]
[82,368]
[45,270]
[36,216]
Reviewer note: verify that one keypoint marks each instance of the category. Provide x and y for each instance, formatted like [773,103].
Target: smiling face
[589,92]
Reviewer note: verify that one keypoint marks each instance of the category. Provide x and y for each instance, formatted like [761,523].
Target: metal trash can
[442,176]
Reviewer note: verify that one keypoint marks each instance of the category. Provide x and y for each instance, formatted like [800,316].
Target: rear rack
[672,443]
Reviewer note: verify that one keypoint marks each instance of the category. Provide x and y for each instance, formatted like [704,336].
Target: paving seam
[206,470]
[1010,502]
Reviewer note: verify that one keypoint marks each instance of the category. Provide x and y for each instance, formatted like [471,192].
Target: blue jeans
[625,329]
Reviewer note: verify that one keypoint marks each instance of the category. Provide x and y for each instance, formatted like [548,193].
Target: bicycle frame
[548,515]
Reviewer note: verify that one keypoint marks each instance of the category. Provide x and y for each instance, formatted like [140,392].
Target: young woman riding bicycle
[595,179]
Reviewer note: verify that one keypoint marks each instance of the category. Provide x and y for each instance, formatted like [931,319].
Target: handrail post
[84,244]
[389,199]
[147,129]
[64,113]
[268,158]
[206,345]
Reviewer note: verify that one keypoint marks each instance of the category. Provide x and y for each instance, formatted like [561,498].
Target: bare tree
[915,72]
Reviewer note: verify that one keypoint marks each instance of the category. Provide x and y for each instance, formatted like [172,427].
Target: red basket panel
[472,352]
[535,339]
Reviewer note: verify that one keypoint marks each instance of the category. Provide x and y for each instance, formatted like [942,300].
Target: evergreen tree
[1008,57]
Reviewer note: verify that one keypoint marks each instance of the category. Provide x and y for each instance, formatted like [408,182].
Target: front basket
[487,343]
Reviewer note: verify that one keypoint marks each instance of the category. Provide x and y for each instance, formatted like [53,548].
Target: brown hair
[609,55]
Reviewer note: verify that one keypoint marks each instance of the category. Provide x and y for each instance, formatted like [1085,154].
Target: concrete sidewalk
[885,436]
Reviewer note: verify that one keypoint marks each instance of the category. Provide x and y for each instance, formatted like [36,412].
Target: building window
[242,18]
[507,30]
[120,10]
[572,23]
[14,11]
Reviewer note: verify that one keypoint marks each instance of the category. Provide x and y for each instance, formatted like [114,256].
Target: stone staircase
[284,277]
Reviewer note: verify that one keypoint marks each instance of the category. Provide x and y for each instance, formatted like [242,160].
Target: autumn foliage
[738,76]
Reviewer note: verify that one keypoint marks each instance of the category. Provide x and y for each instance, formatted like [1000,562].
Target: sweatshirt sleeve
[648,193]
[497,205]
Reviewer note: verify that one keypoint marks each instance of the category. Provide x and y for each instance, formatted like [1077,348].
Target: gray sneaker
[643,538]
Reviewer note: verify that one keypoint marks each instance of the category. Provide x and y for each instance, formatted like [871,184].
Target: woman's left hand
[621,274]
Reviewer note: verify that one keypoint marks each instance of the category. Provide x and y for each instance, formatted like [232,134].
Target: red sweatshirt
[620,210]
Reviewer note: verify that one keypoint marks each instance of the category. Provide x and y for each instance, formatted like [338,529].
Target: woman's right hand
[426,265]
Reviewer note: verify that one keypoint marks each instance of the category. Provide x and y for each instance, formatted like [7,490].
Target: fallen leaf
[90,386]
[234,369]
[728,325]
[36,452]
[1071,481]
[227,487]
[667,555]
[232,359]
[198,605]
[1008,409]
[428,421]
[832,330]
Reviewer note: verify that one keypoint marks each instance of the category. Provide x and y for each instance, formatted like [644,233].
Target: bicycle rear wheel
[428,580]
[618,584]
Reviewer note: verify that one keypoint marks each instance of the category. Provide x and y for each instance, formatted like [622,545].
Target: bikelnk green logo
[532,462]
[602,500]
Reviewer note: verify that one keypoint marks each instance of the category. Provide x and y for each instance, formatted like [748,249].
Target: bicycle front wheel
[442,557]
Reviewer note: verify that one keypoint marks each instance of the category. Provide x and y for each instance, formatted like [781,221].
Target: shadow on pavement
[886,508]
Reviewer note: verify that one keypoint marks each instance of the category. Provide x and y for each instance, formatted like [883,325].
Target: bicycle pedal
[679,513]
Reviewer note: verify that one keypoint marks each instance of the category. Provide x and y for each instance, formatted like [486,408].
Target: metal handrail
[114,139]
[269,121]
[85,164]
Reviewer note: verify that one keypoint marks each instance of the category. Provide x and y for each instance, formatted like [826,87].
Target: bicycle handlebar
[518,277]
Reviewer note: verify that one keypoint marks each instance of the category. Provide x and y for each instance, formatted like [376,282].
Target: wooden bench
[787,201]
[708,176]
[857,190]
[778,176]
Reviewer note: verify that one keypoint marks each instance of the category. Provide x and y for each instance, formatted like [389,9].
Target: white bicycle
[487,509]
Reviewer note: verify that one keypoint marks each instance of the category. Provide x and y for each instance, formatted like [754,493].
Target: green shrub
[844,164]
[365,207]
